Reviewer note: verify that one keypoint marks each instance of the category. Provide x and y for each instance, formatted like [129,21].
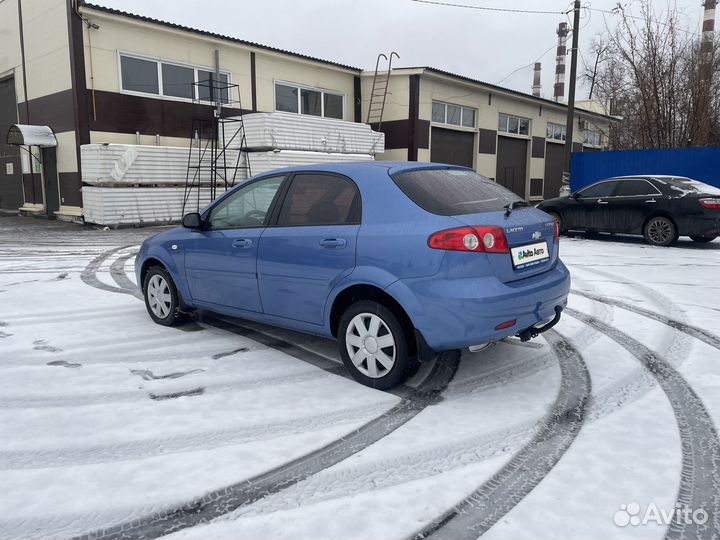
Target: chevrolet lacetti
[398,261]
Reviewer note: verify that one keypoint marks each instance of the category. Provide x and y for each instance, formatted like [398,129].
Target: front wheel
[659,231]
[703,239]
[374,346]
[161,297]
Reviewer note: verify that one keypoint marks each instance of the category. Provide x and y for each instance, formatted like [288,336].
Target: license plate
[529,255]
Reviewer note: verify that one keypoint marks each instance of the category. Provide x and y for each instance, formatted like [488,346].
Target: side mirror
[192,221]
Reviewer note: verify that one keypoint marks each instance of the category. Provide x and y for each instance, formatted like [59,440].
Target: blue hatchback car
[398,261]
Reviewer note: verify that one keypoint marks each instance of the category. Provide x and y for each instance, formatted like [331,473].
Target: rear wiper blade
[515,204]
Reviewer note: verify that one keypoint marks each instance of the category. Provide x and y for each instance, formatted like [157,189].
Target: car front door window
[597,191]
[248,207]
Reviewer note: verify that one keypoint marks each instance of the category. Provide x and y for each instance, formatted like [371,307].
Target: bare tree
[656,75]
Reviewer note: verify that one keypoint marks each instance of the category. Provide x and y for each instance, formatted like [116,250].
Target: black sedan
[661,208]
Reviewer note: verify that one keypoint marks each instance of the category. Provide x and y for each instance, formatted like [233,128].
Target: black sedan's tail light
[712,204]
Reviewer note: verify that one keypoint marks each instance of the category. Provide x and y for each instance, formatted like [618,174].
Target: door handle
[651,200]
[333,243]
[602,202]
[242,243]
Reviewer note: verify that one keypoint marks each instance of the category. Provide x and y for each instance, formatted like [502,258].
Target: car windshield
[451,192]
[688,186]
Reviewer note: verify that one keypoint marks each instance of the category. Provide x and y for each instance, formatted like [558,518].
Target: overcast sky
[480,44]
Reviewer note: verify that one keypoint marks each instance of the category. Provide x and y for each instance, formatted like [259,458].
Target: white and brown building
[98,75]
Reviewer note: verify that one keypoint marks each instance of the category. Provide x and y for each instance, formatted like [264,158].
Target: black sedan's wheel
[660,231]
[703,239]
[161,297]
[373,346]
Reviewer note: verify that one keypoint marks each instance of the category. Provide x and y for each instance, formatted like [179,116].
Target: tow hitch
[533,331]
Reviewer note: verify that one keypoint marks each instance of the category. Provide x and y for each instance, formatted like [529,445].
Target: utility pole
[571,95]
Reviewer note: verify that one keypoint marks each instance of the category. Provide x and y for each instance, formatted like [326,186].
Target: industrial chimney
[537,86]
[708,35]
[562,33]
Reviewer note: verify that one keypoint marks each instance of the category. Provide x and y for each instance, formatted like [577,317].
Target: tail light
[556,234]
[712,204]
[471,239]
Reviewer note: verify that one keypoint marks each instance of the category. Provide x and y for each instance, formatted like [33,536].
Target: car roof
[358,167]
[648,176]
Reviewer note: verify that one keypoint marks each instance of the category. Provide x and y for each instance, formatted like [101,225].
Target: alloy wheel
[159,297]
[371,345]
[659,231]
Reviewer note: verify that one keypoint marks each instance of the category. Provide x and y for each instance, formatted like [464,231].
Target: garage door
[512,164]
[554,165]
[10,172]
[453,147]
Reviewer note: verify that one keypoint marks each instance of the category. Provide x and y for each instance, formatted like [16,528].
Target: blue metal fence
[698,163]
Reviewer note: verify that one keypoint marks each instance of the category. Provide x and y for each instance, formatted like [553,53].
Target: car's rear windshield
[452,192]
[688,186]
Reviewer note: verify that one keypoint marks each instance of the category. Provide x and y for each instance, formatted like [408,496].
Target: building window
[139,75]
[556,132]
[592,138]
[166,79]
[455,115]
[333,106]
[513,124]
[311,101]
[177,81]
[207,86]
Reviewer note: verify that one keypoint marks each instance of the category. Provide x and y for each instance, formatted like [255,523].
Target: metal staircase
[379,91]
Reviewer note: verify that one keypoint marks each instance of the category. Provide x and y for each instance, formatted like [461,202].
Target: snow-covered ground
[114,427]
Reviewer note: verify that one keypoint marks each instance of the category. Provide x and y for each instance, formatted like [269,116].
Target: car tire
[363,330]
[703,239]
[557,218]
[161,297]
[660,231]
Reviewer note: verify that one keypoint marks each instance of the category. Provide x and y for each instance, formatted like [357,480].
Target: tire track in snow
[89,274]
[184,442]
[514,481]
[228,499]
[635,384]
[117,272]
[694,331]
[211,387]
[700,471]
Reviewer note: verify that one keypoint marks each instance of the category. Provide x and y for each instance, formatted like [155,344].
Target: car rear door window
[247,207]
[452,192]
[597,191]
[634,188]
[320,199]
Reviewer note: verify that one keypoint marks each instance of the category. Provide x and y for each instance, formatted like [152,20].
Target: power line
[486,8]
[528,65]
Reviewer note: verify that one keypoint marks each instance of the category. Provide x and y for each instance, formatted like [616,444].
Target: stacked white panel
[262,162]
[129,164]
[287,131]
[139,206]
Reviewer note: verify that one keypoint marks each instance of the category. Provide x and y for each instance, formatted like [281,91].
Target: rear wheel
[703,239]
[374,346]
[161,297]
[660,231]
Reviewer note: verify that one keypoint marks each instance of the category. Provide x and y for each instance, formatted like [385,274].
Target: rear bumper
[458,313]
[699,226]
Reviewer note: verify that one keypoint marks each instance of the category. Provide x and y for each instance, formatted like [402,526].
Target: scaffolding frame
[216,159]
